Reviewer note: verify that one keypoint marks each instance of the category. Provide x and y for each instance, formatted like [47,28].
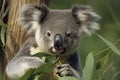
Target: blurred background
[107,63]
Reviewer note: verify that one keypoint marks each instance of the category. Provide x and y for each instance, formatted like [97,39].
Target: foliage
[110,44]
[2,77]
[89,67]
[45,69]
[67,78]
[3,20]
[2,34]
[107,60]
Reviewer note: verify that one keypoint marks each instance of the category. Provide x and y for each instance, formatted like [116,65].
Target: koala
[55,32]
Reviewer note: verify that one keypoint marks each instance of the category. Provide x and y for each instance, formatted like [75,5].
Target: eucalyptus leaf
[40,76]
[2,24]
[48,67]
[48,58]
[36,77]
[2,77]
[27,75]
[41,54]
[68,78]
[110,44]
[2,36]
[89,66]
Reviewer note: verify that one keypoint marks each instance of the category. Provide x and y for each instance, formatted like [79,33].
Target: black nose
[58,42]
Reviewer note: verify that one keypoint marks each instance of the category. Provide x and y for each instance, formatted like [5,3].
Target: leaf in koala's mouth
[41,54]
[45,57]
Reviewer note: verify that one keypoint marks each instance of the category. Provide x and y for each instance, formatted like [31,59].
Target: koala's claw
[64,70]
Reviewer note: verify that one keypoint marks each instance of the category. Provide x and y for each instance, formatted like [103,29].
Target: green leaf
[110,44]
[44,56]
[2,36]
[36,77]
[67,78]
[51,59]
[43,70]
[89,66]
[27,75]
[2,77]
[3,24]
[48,67]
[40,76]
[43,59]
[41,54]
[6,11]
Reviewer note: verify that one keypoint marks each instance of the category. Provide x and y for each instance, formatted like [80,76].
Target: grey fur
[45,24]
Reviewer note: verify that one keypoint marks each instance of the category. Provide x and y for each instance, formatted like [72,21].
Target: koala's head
[58,32]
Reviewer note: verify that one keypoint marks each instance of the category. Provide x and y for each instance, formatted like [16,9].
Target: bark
[15,35]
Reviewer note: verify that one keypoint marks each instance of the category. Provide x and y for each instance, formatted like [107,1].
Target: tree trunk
[15,35]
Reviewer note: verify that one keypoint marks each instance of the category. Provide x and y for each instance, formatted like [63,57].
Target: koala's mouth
[56,51]
[58,47]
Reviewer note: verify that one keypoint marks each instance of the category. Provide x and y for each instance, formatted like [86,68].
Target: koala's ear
[86,17]
[30,15]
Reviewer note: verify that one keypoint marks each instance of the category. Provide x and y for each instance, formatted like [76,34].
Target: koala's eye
[68,34]
[48,33]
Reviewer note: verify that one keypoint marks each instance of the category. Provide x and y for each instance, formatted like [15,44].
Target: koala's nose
[58,42]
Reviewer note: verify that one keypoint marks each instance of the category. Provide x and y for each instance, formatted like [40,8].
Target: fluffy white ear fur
[88,19]
[31,16]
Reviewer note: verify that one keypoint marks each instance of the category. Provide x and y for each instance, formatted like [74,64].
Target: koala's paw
[64,70]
